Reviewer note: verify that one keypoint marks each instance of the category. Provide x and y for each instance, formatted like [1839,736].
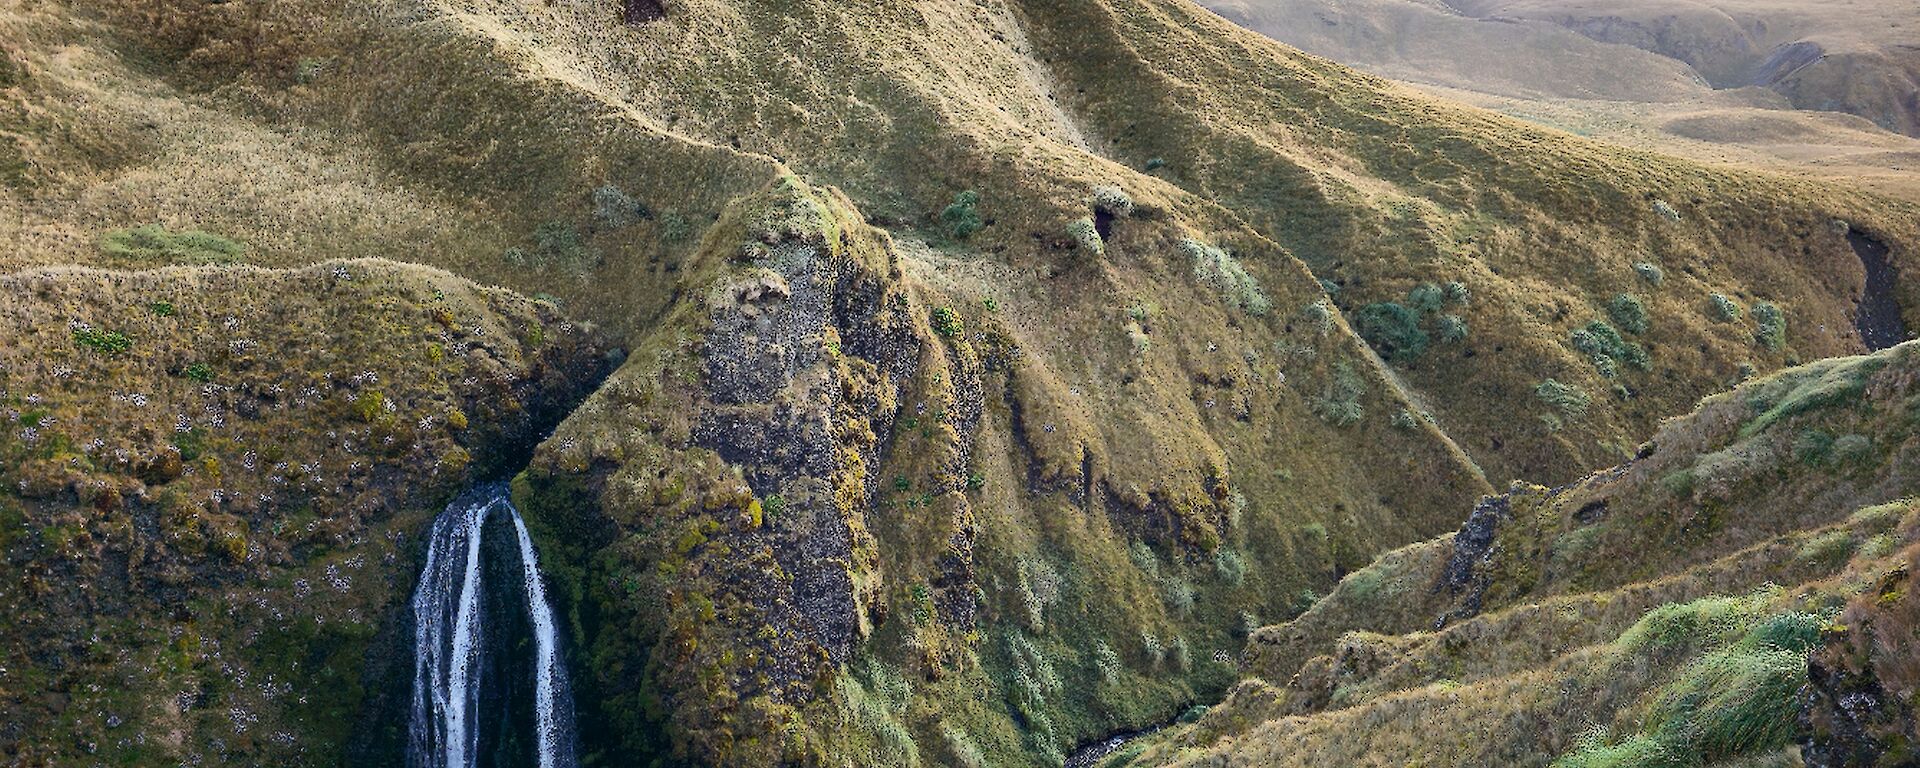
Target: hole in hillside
[637,12]
[1591,511]
[1103,223]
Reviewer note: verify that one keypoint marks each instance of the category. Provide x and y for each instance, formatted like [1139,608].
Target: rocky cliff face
[214,482]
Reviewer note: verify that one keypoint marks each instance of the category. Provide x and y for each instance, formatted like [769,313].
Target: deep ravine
[477,686]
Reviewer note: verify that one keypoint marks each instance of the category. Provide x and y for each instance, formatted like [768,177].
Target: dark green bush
[962,216]
[1628,313]
[1393,330]
[1772,333]
[1426,298]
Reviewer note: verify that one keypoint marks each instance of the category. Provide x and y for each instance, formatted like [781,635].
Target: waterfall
[455,646]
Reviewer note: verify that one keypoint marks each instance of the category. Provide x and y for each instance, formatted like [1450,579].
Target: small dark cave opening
[637,12]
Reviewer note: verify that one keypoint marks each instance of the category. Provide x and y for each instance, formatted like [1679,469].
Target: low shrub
[1606,349]
[1565,398]
[615,209]
[1230,566]
[1813,447]
[1650,272]
[1111,200]
[947,322]
[1215,268]
[962,216]
[1393,330]
[1852,449]
[103,342]
[1319,315]
[1426,298]
[1452,329]
[1339,402]
[1179,595]
[1086,237]
[1629,313]
[1723,309]
[1772,332]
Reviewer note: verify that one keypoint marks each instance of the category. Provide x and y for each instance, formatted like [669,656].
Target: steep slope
[1658,613]
[993,367]
[214,478]
[1374,189]
[816,465]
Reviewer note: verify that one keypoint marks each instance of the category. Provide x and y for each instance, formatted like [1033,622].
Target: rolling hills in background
[1827,89]
[917,383]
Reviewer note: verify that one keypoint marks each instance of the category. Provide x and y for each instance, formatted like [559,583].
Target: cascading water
[455,647]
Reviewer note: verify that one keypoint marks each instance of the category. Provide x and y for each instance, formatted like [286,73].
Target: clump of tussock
[1217,269]
[1339,401]
[1111,200]
[1086,237]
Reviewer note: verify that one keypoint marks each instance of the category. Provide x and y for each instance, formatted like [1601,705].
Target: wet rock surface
[1856,709]
[1877,315]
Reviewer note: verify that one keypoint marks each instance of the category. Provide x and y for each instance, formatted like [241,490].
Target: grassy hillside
[1658,613]
[213,481]
[525,121]
[994,369]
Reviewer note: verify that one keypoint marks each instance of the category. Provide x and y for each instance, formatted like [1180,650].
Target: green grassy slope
[1660,613]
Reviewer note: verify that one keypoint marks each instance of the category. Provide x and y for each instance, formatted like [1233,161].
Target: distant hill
[1651,72]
